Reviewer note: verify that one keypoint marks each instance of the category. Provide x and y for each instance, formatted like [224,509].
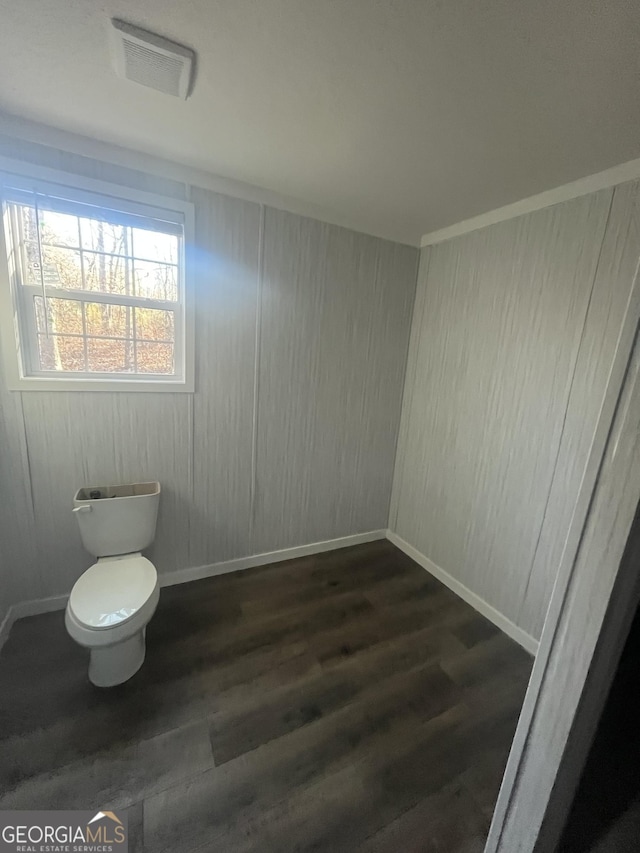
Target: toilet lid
[112,591]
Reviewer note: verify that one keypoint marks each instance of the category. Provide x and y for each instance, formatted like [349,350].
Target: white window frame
[17,342]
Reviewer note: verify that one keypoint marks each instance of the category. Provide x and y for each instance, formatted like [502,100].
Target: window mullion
[83,314]
[106,298]
[41,264]
[30,328]
[133,264]
[52,245]
[17,224]
[83,310]
[134,320]
[26,307]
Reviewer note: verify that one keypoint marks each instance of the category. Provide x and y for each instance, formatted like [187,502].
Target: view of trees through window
[103,295]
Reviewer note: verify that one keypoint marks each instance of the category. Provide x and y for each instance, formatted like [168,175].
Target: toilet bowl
[108,611]
[112,602]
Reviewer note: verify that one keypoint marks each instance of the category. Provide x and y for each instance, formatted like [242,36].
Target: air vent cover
[151,60]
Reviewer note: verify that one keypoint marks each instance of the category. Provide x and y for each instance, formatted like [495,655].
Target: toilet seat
[113,591]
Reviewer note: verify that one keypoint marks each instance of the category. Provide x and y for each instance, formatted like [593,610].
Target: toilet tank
[117,519]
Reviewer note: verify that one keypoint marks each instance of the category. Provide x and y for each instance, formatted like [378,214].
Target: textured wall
[513,335]
[333,343]
[290,436]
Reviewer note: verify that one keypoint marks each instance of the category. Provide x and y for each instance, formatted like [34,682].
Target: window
[97,286]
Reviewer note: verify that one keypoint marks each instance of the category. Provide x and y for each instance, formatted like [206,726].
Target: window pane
[107,273]
[154,324]
[64,316]
[101,236]
[59,228]
[61,353]
[46,353]
[28,234]
[105,356]
[155,246]
[156,281]
[31,274]
[155,358]
[27,220]
[60,267]
[115,321]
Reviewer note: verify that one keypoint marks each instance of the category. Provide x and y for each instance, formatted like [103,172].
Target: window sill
[131,386]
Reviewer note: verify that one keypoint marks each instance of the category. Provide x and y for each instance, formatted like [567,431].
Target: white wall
[513,335]
[290,437]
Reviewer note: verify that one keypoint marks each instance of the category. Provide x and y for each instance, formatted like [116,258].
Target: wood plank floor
[345,701]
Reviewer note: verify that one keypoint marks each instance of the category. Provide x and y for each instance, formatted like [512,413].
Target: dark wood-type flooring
[340,702]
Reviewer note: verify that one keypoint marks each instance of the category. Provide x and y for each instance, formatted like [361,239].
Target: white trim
[5,625]
[107,152]
[592,183]
[132,386]
[59,602]
[119,192]
[37,606]
[214,569]
[510,628]
[34,607]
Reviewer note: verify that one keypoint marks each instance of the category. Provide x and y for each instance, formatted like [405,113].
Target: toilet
[112,602]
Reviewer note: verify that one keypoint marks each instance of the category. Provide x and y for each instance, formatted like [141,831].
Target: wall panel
[335,311]
[495,351]
[18,554]
[617,269]
[227,289]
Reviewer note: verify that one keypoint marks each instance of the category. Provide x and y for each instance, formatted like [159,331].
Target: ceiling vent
[151,60]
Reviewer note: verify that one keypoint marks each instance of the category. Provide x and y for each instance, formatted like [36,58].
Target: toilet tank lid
[112,591]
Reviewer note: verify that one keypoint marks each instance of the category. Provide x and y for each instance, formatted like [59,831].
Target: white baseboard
[5,626]
[510,628]
[59,602]
[30,608]
[39,605]
[213,569]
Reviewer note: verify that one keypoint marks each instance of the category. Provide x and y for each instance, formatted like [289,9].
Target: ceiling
[396,117]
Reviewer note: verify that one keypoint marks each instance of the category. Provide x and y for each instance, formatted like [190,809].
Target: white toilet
[112,602]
